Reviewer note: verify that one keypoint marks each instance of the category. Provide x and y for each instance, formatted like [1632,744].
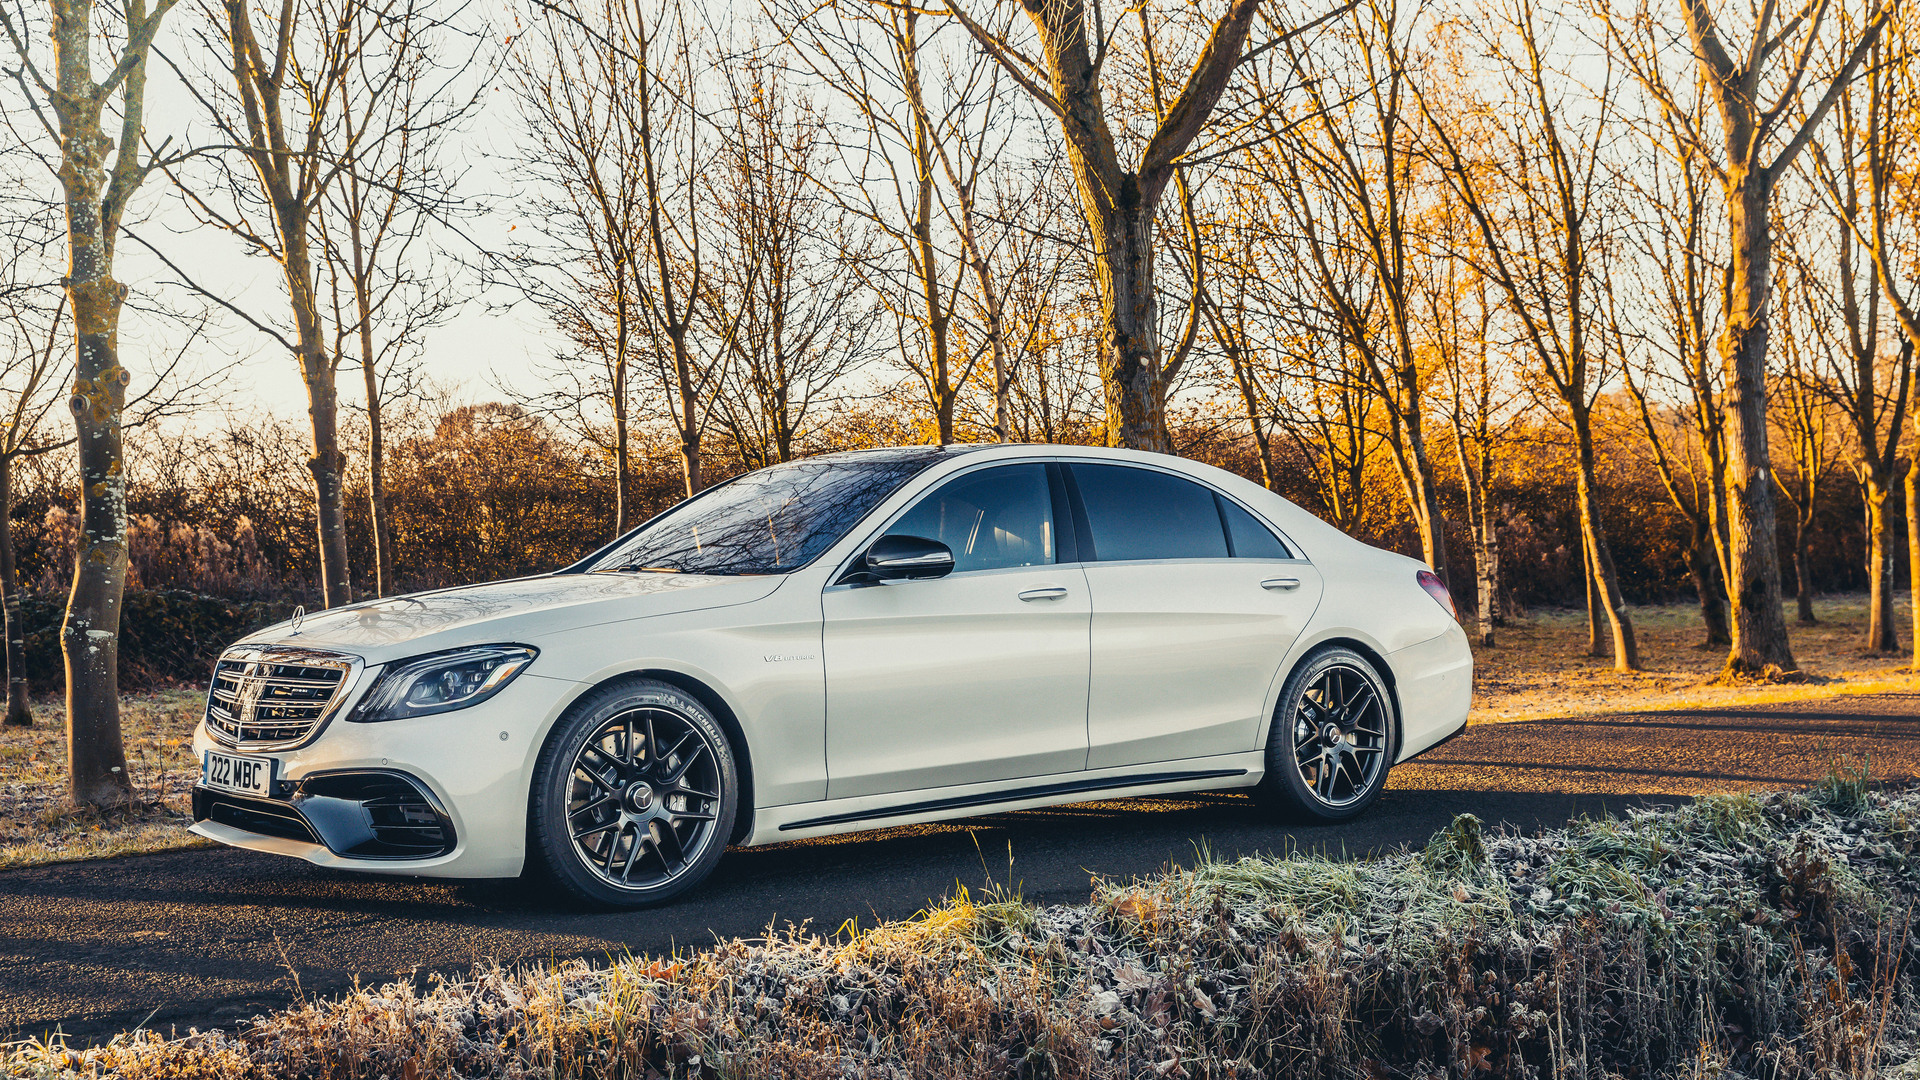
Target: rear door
[1195,604]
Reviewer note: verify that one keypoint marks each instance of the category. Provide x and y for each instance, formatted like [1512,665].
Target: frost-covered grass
[1740,936]
[39,825]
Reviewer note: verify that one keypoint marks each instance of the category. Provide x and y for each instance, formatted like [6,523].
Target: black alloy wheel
[1333,738]
[634,797]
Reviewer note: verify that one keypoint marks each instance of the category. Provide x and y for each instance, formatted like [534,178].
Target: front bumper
[355,814]
[435,796]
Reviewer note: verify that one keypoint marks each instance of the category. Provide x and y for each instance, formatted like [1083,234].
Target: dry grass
[1539,667]
[38,825]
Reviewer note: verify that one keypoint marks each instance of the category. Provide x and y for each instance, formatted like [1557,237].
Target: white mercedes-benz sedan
[853,641]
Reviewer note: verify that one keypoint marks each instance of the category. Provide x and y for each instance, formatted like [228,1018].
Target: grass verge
[1739,936]
[1539,667]
[38,824]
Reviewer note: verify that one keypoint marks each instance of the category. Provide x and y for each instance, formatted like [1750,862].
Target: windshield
[772,521]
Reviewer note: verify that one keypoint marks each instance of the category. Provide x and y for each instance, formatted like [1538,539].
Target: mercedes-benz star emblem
[299,616]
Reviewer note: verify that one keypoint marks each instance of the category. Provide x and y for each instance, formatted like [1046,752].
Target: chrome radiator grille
[269,697]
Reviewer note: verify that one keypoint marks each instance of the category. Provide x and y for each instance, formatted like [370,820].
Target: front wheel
[1332,740]
[634,796]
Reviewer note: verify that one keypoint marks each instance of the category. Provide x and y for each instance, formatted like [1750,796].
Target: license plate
[244,775]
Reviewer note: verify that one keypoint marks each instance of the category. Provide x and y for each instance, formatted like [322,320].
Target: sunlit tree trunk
[95,192]
[1881,636]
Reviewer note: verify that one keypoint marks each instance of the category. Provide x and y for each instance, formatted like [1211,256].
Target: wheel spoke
[633,853]
[607,762]
[594,805]
[596,830]
[669,838]
[613,846]
[683,788]
[699,750]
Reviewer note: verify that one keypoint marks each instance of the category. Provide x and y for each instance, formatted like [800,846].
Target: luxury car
[853,641]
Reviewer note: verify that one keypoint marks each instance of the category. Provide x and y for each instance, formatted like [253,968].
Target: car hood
[520,610]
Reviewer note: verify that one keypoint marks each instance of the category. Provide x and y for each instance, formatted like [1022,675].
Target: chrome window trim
[352,669]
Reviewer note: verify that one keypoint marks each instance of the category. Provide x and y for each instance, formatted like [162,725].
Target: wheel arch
[1368,653]
[716,703]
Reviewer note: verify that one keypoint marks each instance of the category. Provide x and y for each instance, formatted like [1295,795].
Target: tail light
[1437,589]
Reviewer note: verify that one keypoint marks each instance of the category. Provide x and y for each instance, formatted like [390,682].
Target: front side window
[1143,514]
[771,521]
[991,520]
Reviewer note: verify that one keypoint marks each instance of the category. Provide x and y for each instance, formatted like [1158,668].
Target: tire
[634,796]
[1328,764]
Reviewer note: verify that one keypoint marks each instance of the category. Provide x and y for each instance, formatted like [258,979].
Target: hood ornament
[299,616]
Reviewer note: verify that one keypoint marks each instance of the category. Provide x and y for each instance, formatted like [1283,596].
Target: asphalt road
[209,937]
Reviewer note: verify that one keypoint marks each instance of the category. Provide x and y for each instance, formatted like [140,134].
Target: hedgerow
[1737,936]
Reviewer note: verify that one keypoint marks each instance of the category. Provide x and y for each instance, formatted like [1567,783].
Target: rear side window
[1249,538]
[1142,514]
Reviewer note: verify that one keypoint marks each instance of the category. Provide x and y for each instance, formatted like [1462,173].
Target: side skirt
[869,812]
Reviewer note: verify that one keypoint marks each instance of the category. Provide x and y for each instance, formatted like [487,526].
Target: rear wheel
[634,796]
[1333,738]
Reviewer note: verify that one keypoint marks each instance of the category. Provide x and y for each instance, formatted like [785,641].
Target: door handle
[1044,592]
[1281,584]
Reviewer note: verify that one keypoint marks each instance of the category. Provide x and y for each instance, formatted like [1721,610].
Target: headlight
[442,682]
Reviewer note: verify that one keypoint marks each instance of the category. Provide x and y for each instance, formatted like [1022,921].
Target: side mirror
[905,558]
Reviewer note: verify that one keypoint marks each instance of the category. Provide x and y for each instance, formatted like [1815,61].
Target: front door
[977,676]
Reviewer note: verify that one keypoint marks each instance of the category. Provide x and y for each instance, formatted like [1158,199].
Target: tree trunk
[376,438]
[688,420]
[1703,566]
[95,197]
[1596,639]
[622,453]
[1486,564]
[327,463]
[1802,574]
[1486,560]
[1761,647]
[90,636]
[1128,345]
[1606,579]
[18,712]
[1913,557]
[1250,400]
[1882,639]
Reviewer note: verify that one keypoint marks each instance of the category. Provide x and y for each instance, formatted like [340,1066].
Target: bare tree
[399,101]
[1802,411]
[1538,200]
[928,117]
[1479,386]
[98,175]
[1355,191]
[1121,198]
[616,149]
[1841,312]
[1884,220]
[280,113]
[1673,330]
[1770,100]
[33,330]
[794,324]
